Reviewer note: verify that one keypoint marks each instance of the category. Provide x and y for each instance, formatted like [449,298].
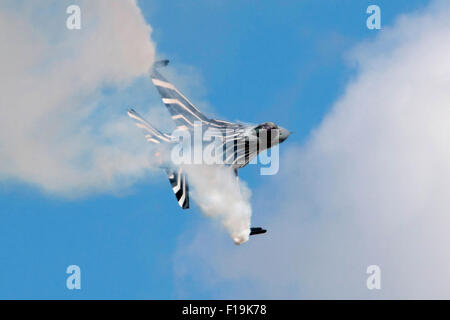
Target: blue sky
[257,61]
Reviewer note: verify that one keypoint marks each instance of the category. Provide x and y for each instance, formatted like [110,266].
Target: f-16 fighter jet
[238,143]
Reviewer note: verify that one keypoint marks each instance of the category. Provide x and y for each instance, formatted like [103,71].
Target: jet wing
[183,112]
[151,133]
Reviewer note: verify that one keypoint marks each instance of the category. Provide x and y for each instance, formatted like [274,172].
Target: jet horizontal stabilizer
[254,231]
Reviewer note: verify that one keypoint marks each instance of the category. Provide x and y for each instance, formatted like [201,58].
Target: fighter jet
[240,143]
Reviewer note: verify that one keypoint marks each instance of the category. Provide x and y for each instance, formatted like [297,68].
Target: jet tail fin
[180,186]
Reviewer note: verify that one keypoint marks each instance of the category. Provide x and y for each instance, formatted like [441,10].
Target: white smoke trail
[222,197]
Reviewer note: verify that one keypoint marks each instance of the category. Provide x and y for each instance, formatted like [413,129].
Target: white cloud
[56,131]
[371,186]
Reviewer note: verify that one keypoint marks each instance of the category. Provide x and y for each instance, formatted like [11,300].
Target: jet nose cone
[284,134]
